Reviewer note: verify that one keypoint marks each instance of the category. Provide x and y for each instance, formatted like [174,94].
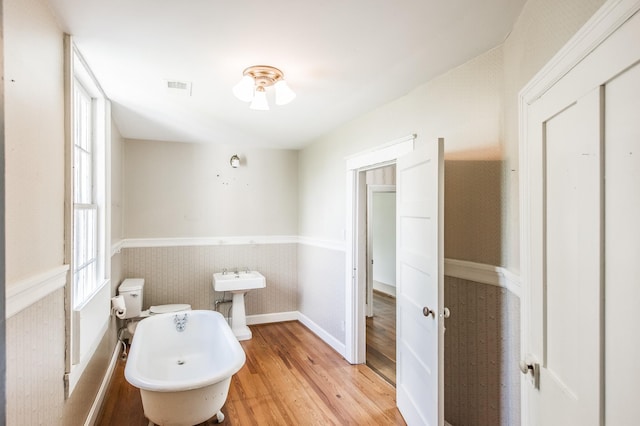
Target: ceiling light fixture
[252,87]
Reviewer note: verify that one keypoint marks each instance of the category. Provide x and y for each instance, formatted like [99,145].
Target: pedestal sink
[238,283]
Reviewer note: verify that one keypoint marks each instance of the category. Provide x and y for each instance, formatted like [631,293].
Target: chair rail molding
[25,293]
[482,273]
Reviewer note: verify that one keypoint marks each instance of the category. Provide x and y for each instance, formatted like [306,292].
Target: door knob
[526,368]
[426,312]
[531,370]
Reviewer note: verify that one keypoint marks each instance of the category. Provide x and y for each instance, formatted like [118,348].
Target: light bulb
[284,94]
[244,89]
[260,100]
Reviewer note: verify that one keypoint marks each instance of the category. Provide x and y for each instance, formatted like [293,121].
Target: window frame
[87,319]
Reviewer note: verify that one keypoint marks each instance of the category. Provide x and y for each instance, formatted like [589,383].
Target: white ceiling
[342,57]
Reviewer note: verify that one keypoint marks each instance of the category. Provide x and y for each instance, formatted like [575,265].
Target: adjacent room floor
[291,377]
[381,337]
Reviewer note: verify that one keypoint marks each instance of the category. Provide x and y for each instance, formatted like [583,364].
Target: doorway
[420,265]
[356,236]
[381,272]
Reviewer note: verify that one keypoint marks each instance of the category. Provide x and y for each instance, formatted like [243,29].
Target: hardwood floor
[291,377]
[381,337]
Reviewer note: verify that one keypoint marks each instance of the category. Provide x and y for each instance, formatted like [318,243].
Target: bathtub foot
[220,417]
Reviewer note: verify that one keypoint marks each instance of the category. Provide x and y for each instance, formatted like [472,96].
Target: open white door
[420,262]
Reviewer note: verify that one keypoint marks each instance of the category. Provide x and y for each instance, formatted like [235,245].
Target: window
[85,207]
[87,215]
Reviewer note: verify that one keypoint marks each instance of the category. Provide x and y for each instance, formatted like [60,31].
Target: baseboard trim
[92,417]
[322,334]
[274,317]
[305,320]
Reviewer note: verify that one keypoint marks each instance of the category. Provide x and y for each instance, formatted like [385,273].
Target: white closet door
[581,249]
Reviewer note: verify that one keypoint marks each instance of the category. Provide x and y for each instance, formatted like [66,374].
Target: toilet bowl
[131,291]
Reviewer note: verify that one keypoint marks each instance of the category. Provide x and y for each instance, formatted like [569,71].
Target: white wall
[474,107]
[117,185]
[34,134]
[384,238]
[544,26]
[188,190]
[34,207]
[463,106]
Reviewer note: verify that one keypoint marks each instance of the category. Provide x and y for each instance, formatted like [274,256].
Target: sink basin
[242,281]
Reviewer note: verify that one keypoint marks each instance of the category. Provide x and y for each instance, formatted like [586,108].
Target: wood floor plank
[291,377]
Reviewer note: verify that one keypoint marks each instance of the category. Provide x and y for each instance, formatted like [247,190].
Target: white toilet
[131,291]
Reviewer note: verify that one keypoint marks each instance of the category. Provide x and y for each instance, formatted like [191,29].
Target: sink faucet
[236,272]
[246,270]
[224,271]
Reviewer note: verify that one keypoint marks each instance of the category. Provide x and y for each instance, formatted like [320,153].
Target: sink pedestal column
[239,317]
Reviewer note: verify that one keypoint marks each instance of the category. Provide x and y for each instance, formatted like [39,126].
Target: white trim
[206,241]
[92,318]
[322,334]
[116,247]
[383,154]
[483,273]
[354,254]
[102,391]
[327,244]
[73,377]
[273,317]
[25,293]
[601,25]
[97,291]
[217,241]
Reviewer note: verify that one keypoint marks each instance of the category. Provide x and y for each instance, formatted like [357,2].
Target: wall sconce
[235,161]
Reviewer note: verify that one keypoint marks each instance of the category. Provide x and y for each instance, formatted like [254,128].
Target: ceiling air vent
[178,87]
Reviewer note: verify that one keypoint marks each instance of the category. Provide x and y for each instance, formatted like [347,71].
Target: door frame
[371,189]
[600,26]
[355,236]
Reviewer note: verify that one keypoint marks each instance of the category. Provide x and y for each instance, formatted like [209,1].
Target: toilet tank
[131,290]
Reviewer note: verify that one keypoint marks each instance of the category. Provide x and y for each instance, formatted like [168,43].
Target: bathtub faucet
[181,321]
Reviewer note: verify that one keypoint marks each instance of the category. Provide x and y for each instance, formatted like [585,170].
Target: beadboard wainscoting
[482,349]
[35,362]
[176,272]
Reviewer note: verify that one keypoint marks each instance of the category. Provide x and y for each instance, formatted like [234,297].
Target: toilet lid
[175,307]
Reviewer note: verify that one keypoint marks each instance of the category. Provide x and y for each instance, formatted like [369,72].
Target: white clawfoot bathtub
[182,362]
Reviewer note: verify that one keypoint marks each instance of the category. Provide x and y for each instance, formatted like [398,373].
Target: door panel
[622,248]
[420,260]
[572,287]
